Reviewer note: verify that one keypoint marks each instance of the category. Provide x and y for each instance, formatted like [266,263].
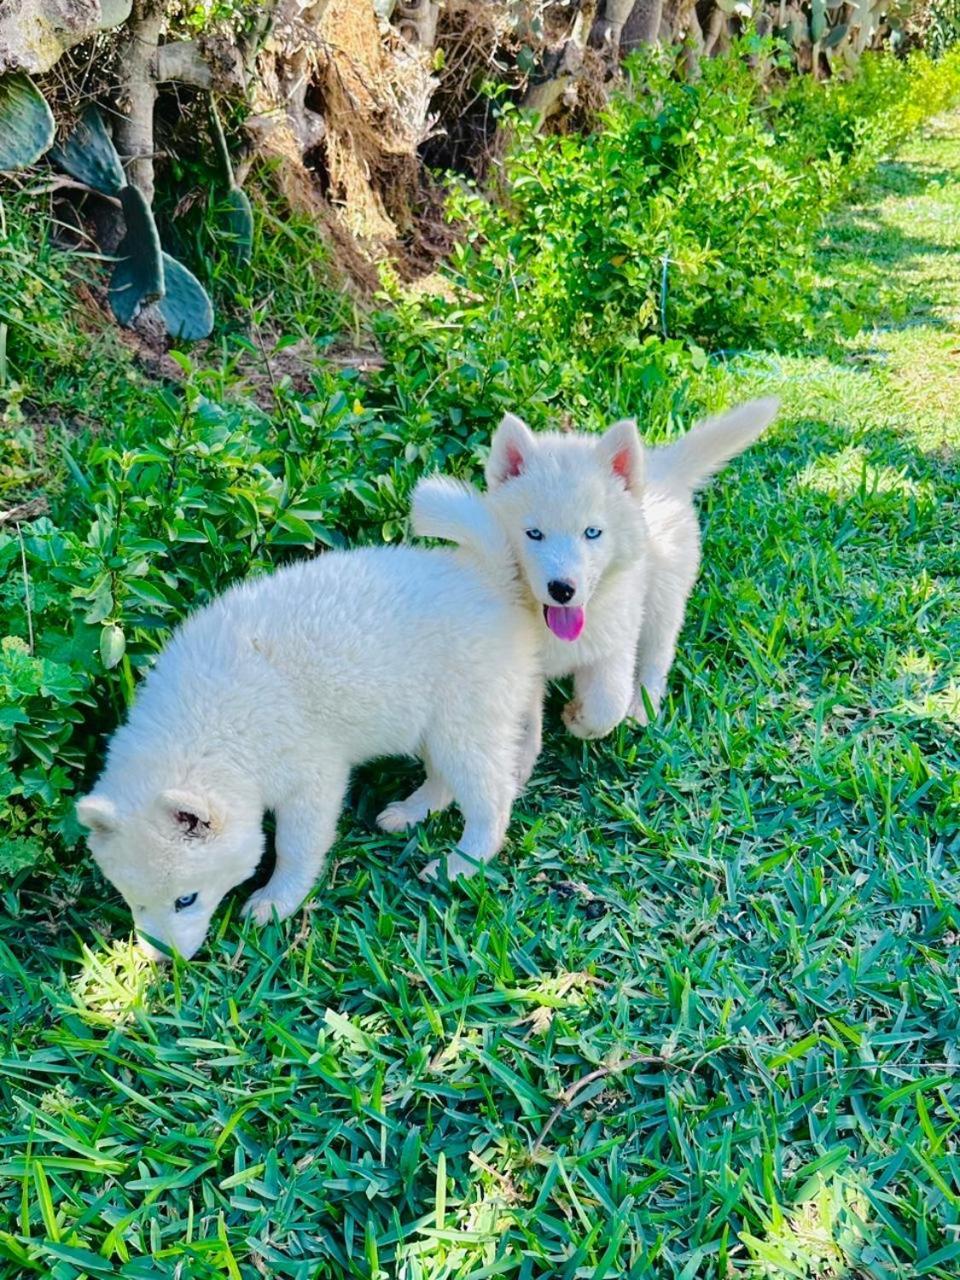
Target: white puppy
[603,535]
[265,699]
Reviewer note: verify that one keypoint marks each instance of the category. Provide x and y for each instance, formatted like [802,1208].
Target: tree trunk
[643,25]
[138,65]
[608,27]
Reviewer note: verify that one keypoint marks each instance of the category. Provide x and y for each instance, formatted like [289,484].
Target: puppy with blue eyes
[269,696]
[603,536]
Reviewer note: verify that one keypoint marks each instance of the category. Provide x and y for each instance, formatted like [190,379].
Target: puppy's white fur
[612,523]
[265,699]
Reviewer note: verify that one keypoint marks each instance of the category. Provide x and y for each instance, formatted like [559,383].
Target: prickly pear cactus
[818,19]
[239,213]
[835,35]
[239,223]
[88,154]
[185,306]
[26,122]
[138,276]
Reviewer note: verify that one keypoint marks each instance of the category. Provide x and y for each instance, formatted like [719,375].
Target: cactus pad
[88,154]
[185,306]
[835,35]
[26,123]
[138,276]
[239,223]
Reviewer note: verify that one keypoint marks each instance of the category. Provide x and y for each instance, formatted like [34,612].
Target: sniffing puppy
[265,700]
[604,537]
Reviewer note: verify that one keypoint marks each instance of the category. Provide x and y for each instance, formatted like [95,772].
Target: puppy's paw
[578,723]
[572,715]
[263,902]
[398,817]
[458,868]
[639,713]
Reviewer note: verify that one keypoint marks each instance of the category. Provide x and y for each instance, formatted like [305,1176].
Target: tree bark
[182,60]
[416,20]
[608,27]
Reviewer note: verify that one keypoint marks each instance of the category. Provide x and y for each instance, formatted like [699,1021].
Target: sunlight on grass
[916,676]
[850,472]
[465,1235]
[941,704]
[113,985]
[819,1239]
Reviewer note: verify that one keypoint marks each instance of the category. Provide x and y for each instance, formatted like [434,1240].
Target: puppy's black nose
[561,591]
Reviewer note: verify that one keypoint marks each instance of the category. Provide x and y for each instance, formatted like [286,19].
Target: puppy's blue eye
[592,532]
[187,900]
[534,535]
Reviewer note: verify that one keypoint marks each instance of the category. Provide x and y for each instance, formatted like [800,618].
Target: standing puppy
[604,537]
[266,698]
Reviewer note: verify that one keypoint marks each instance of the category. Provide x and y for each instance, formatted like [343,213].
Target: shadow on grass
[909,177]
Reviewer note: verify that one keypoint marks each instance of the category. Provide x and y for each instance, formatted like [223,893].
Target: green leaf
[113,645]
[19,854]
[298,531]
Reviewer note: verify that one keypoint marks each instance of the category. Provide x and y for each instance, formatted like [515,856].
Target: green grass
[700,1019]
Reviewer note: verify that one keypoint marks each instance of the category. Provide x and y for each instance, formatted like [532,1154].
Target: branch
[606,31]
[568,1095]
[182,60]
[28,510]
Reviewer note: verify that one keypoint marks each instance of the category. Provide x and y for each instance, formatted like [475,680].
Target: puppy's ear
[190,813]
[98,814]
[621,453]
[510,450]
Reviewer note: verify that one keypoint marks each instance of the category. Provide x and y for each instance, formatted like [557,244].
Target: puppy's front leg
[306,827]
[655,651]
[602,694]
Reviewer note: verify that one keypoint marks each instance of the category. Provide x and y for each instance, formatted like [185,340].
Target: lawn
[699,1020]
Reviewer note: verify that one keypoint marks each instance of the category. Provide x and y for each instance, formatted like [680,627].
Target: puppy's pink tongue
[565,623]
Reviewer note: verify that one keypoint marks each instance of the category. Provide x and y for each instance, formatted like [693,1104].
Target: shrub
[690,214]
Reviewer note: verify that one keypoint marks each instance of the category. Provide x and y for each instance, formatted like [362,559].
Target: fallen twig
[28,510]
[569,1094]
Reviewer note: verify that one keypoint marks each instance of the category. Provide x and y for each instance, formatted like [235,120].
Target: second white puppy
[265,699]
[603,536]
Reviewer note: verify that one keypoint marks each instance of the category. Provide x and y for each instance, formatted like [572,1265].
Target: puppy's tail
[695,457]
[456,512]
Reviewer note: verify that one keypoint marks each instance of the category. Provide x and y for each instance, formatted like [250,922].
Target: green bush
[182,501]
[690,213]
[859,120]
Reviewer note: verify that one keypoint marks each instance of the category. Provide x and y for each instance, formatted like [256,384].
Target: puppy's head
[571,508]
[173,857]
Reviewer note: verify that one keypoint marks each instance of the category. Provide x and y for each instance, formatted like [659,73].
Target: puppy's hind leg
[432,797]
[306,828]
[481,772]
